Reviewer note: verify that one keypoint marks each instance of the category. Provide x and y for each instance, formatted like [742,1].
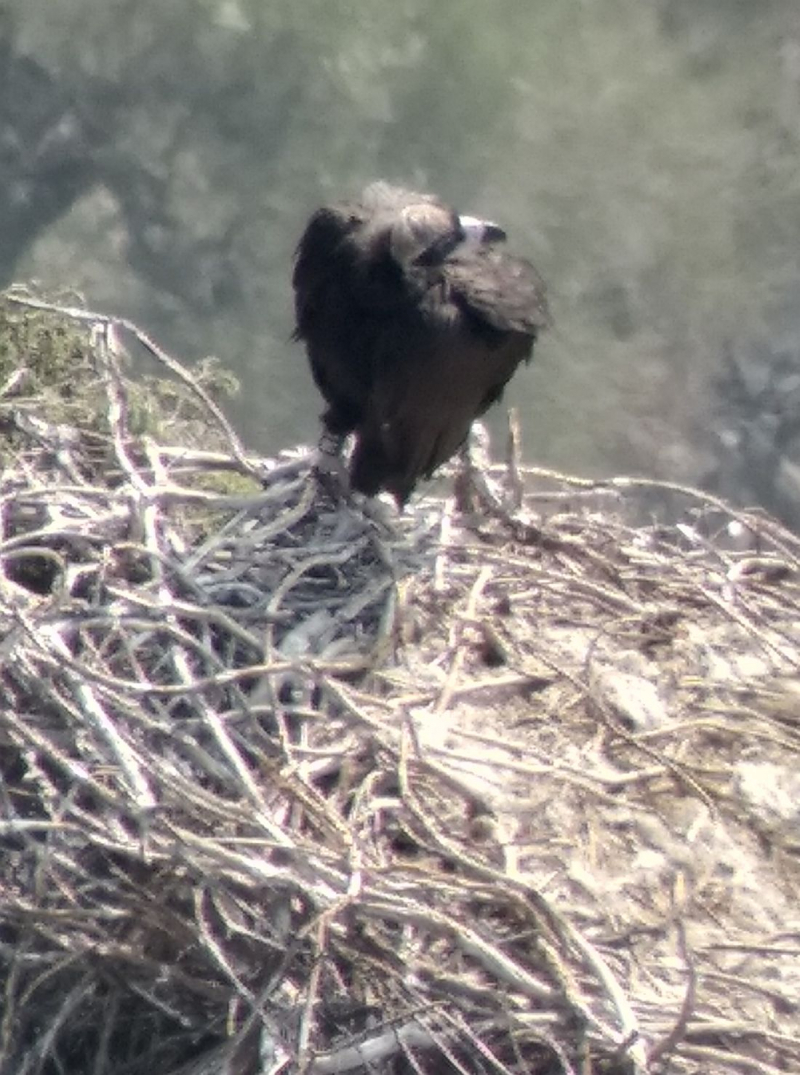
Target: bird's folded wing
[505,291]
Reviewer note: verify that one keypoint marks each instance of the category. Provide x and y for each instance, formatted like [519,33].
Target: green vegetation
[49,369]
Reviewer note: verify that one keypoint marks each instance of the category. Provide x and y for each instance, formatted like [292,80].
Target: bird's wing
[343,260]
[429,390]
[504,291]
[319,250]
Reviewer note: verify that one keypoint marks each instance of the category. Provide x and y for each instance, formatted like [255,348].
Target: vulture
[414,318]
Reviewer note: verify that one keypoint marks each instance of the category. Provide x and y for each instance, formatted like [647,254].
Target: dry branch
[505,783]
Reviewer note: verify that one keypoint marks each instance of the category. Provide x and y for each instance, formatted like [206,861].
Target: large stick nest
[507,783]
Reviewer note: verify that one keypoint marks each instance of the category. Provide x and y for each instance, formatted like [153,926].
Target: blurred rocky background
[161,159]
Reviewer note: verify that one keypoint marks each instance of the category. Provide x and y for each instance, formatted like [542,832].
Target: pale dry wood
[334,791]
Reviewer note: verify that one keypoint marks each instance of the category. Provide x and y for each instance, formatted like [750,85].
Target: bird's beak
[481,231]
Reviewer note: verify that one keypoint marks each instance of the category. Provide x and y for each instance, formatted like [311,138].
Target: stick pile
[507,783]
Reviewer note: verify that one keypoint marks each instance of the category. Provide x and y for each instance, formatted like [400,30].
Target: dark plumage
[414,319]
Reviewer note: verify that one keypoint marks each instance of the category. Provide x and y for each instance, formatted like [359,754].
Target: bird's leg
[333,480]
[329,467]
[330,446]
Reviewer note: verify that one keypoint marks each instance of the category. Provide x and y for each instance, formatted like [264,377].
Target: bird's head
[426,232]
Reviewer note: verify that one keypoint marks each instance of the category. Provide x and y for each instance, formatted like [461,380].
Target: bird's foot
[333,481]
[332,478]
[378,512]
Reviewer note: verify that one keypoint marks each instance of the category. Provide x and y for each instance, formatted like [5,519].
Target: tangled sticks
[285,788]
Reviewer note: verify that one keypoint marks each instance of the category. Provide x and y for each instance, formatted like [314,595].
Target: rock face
[44,158]
[756,432]
[414,318]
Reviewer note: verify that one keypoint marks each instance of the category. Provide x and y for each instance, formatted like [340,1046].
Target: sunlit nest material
[506,783]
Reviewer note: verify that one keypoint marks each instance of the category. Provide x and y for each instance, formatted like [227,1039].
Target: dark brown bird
[414,319]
